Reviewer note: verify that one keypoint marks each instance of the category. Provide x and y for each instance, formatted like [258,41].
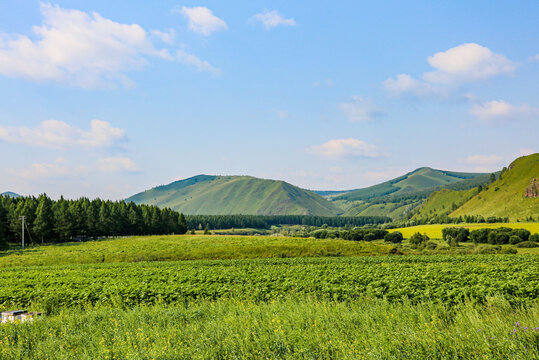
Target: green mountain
[221,195]
[418,180]
[10,194]
[398,197]
[513,195]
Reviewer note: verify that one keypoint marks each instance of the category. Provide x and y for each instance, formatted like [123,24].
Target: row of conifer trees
[63,220]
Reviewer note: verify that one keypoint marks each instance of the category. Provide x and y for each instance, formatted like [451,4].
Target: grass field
[263,297]
[435,231]
[186,247]
[302,328]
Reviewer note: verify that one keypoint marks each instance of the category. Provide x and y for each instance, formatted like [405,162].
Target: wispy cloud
[165,36]
[358,109]
[60,135]
[345,148]
[200,65]
[201,20]
[117,164]
[271,19]
[497,110]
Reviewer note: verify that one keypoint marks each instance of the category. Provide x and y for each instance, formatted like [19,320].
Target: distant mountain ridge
[10,194]
[222,195]
[419,179]
[398,197]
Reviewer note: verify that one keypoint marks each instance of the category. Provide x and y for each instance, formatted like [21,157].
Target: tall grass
[282,329]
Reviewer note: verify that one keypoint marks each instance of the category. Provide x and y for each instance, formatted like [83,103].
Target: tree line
[63,220]
[217,222]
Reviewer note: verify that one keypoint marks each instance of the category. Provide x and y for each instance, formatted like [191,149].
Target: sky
[110,98]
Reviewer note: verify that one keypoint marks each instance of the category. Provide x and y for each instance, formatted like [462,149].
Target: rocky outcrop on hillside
[532,190]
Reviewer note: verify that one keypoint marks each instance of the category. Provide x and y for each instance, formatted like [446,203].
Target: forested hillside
[397,198]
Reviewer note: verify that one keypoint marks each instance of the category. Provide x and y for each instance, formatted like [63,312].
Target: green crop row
[440,278]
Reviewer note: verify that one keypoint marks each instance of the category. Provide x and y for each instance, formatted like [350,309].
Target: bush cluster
[502,235]
[365,234]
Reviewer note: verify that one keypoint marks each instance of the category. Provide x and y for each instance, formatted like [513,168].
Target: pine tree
[44,222]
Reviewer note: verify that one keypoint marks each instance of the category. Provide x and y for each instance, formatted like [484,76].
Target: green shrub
[369,237]
[508,250]
[534,237]
[460,234]
[514,239]
[394,237]
[527,245]
[487,249]
[431,245]
[418,240]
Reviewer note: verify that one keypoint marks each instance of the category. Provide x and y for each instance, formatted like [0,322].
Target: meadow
[186,247]
[266,297]
[291,328]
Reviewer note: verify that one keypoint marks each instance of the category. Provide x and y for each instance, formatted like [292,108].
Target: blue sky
[107,99]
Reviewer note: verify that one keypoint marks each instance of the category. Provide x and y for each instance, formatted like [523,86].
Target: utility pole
[22,218]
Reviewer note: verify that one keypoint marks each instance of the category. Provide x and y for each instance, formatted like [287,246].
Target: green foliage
[394,237]
[418,278]
[455,235]
[527,245]
[500,236]
[65,220]
[215,222]
[419,240]
[534,238]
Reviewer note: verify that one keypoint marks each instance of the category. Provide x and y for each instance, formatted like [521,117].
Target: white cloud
[405,84]
[461,64]
[58,134]
[271,19]
[202,21]
[343,148]
[42,170]
[466,63]
[80,49]
[165,36]
[358,109]
[200,65]
[117,164]
[502,110]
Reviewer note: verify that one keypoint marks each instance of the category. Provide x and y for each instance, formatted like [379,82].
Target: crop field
[435,231]
[440,278]
[187,247]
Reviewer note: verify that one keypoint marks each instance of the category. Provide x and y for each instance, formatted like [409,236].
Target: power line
[22,218]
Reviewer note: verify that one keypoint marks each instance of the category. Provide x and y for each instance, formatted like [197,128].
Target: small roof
[14,312]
